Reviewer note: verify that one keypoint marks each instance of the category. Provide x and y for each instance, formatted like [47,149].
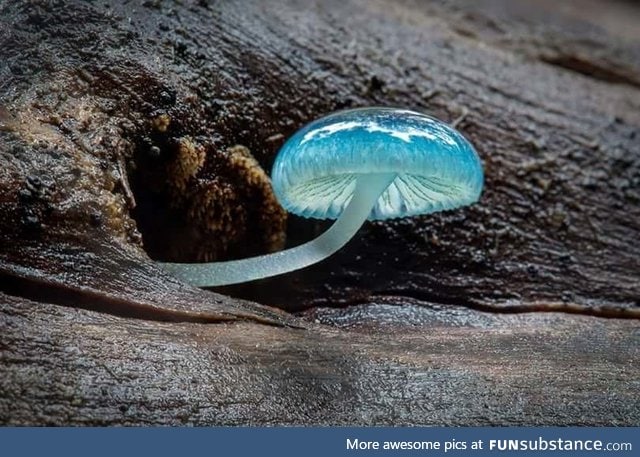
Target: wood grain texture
[421,321]
[458,367]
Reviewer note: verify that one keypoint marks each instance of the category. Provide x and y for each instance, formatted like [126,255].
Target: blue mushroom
[366,163]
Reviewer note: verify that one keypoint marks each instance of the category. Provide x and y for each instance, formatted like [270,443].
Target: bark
[445,367]
[118,123]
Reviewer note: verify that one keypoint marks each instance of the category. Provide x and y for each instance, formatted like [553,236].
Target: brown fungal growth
[271,217]
[218,205]
[161,122]
[189,159]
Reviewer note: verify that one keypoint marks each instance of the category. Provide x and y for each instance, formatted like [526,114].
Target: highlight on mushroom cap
[436,168]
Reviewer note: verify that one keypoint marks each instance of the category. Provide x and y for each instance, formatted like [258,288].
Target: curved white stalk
[368,190]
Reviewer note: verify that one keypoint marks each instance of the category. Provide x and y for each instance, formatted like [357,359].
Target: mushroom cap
[436,168]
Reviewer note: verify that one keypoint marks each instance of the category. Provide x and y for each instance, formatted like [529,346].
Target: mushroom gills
[409,194]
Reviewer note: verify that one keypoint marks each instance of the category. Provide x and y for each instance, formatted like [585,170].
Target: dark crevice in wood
[511,308]
[497,305]
[591,69]
[64,294]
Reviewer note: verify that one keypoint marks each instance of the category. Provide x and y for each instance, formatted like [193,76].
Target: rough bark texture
[455,367]
[117,127]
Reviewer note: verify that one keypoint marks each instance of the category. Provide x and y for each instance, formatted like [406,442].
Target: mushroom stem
[367,192]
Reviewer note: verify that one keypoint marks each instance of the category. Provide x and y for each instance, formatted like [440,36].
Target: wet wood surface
[116,123]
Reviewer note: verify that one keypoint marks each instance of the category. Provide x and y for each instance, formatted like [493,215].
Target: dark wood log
[118,127]
[448,366]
